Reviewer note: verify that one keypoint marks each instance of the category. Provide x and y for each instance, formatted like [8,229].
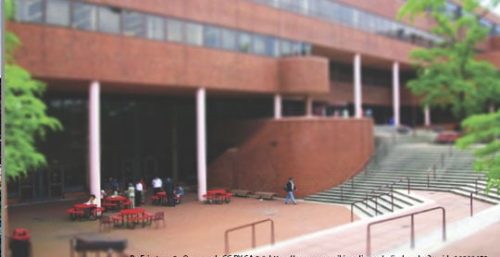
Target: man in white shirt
[157,185]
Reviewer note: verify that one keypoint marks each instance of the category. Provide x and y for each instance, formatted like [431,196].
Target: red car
[445,137]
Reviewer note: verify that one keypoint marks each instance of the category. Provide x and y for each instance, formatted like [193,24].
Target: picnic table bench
[240,192]
[218,196]
[265,195]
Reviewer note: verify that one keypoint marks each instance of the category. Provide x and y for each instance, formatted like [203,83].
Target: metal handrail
[252,225]
[353,204]
[412,235]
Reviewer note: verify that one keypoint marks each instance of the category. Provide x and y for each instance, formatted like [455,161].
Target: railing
[252,225]
[374,199]
[412,233]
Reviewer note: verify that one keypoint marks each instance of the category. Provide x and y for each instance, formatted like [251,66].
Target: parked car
[447,137]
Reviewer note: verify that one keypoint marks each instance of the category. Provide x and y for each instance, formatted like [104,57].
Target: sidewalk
[350,240]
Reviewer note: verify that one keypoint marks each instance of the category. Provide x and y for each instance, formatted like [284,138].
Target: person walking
[157,185]
[290,188]
[169,188]
[131,195]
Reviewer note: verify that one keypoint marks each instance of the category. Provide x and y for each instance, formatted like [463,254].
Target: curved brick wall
[318,153]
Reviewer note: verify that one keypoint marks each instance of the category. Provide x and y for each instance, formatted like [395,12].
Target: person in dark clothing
[290,188]
[138,193]
[169,189]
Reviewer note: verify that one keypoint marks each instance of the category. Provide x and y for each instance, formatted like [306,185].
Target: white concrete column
[95,141]
[395,93]
[427,116]
[277,106]
[309,106]
[358,96]
[201,142]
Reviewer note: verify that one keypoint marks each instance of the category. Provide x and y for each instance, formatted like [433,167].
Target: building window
[272,46]
[109,20]
[57,12]
[244,42]
[175,30]
[84,16]
[30,10]
[259,45]
[155,27]
[286,48]
[134,24]
[212,37]
[194,33]
[229,39]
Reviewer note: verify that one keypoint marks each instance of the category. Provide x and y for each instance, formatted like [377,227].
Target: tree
[449,74]
[25,113]
[484,128]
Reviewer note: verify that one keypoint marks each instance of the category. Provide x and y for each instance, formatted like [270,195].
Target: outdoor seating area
[85,211]
[218,196]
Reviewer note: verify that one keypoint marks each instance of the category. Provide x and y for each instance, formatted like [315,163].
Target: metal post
[272,232]
[376,206]
[434,171]
[471,205]
[408,184]
[476,185]
[366,201]
[352,182]
[341,194]
[352,212]
[368,243]
[444,224]
[392,199]
[442,160]
[412,231]
[427,179]
[253,236]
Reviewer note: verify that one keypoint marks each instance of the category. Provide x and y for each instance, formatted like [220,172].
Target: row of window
[111,20]
[455,11]
[347,15]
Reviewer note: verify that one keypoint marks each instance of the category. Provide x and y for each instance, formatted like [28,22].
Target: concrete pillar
[309,106]
[277,106]
[427,116]
[95,141]
[395,93]
[358,108]
[175,164]
[201,142]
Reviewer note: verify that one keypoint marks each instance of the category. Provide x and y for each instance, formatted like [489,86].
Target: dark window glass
[29,10]
[155,27]
[57,12]
[259,45]
[84,16]
[212,37]
[229,39]
[134,24]
[175,30]
[194,33]
[244,42]
[109,20]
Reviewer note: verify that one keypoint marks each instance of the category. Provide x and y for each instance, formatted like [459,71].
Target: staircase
[421,166]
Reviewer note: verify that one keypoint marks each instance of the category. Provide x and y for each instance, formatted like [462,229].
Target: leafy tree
[449,74]
[25,113]
[485,128]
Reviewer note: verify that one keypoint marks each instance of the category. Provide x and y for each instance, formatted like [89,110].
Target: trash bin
[20,244]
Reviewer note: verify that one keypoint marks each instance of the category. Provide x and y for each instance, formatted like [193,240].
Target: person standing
[157,185]
[131,195]
[169,188]
[138,193]
[290,188]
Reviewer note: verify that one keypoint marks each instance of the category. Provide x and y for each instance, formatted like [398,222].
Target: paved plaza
[191,228]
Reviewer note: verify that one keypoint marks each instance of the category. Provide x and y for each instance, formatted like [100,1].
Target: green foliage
[25,113]
[449,74]
[484,128]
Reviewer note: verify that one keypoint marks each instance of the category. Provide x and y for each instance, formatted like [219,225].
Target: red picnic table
[131,217]
[82,210]
[218,196]
[116,202]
